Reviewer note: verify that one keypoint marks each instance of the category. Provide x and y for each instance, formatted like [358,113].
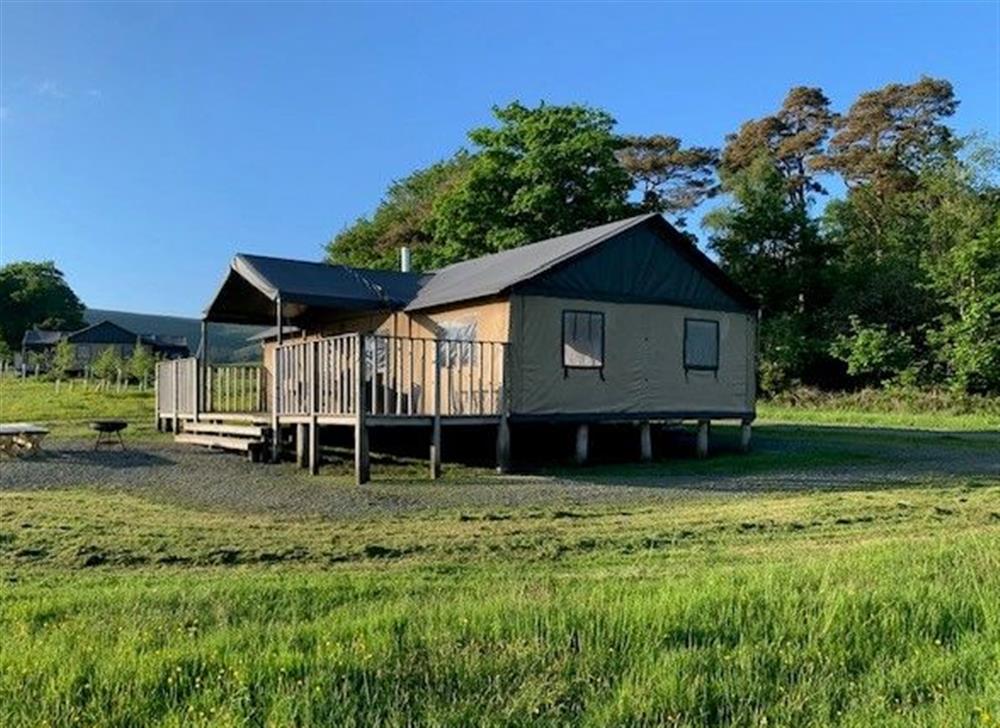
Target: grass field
[856,609]
[68,407]
[928,410]
[614,595]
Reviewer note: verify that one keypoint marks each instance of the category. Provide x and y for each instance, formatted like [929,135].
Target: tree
[670,178]
[874,354]
[63,359]
[541,172]
[792,139]
[405,217]
[890,135]
[773,248]
[35,294]
[108,365]
[141,364]
[963,264]
[968,333]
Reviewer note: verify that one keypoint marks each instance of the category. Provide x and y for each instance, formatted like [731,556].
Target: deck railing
[394,376]
[177,387]
[235,388]
[399,374]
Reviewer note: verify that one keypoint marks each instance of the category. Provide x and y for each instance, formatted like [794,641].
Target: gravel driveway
[784,458]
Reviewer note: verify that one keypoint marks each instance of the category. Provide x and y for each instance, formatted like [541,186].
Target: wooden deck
[356,380]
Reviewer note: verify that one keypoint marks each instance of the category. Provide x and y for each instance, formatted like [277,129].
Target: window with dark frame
[701,345]
[583,340]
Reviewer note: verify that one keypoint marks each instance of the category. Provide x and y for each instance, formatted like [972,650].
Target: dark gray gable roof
[491,274]
[103,332]
[494,274]
[41,337]
[322,284]
[254,282]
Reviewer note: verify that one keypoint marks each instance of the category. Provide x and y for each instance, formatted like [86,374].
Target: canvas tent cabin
[90,341]
[626,322]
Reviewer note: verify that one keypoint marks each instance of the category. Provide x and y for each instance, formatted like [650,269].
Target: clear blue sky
[144,144]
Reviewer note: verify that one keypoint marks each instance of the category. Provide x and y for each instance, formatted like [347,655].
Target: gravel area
[793,458]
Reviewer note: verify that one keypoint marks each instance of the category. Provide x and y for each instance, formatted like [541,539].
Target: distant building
[89,342]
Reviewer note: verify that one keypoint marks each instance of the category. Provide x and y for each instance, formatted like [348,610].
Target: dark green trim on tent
[646,263]
[609,417]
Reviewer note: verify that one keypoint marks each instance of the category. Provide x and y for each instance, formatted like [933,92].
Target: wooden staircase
[250,439]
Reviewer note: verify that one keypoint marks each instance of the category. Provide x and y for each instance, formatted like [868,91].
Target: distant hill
[226,342]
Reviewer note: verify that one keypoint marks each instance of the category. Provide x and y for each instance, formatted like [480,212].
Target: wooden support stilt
[156,397]
[362,464]
[745,436]
[314,384]
[276,387]
[503,445]
[702,447]
[301,445]
[582,443]
[645,443]
[435,464]
[314,447]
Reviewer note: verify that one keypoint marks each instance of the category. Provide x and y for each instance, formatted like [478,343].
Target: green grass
[848,608]
[67,408]
[907,408]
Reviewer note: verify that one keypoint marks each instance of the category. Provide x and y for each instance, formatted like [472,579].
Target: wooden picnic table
[18,438]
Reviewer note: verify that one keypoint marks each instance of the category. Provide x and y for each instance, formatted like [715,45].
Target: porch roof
[255,282]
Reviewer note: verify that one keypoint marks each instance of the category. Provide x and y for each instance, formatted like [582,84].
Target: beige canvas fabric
[643,368]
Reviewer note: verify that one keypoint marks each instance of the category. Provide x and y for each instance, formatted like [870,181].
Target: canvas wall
[643,368]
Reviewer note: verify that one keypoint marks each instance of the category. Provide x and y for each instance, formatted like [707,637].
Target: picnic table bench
[19,438]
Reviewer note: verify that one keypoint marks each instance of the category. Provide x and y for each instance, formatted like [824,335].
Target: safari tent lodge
[623,323]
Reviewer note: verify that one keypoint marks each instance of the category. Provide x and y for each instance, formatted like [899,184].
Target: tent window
[460,335]
[701,344]
[583,339]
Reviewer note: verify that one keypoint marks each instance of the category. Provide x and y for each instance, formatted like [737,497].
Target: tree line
[870,236]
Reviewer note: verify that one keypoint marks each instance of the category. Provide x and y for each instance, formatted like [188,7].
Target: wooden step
[221,442]
[215,428]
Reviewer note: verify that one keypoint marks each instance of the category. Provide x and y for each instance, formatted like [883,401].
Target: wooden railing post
[156,397]
[195,383]
[176,394]
[362,467]
[313,409]
[436,412]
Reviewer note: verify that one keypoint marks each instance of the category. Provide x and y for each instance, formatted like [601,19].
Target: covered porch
[360,379]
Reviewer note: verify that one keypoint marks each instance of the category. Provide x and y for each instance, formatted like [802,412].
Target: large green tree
[772,247]
[963,264]
[539,172]
[405,217]
[891,134]
[767,239]
[908,196]
[35,294]
[793,140]
[671,178]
